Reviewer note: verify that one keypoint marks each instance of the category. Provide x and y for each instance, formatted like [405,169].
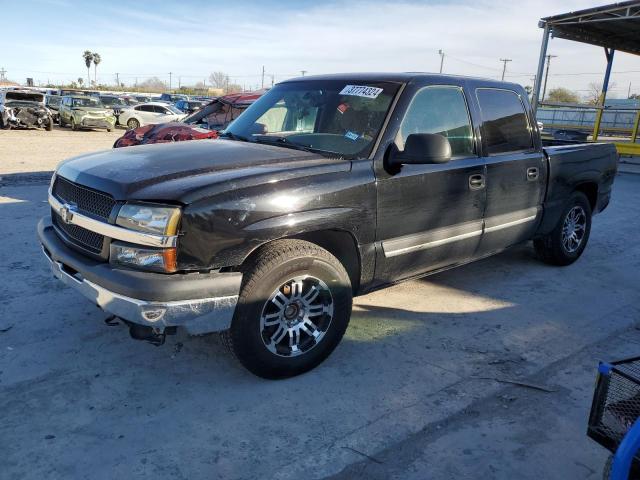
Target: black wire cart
[613,421]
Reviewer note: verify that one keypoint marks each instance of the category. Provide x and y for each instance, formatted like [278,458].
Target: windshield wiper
[233,136]
[285,142]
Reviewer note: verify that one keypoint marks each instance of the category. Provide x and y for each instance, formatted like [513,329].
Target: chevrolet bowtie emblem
[66,212]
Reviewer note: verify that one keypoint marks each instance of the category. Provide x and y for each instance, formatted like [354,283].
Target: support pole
[636,124]
[603,96]
[535,99]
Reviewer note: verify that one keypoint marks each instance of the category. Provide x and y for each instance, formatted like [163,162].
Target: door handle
[476,182]
[532,173]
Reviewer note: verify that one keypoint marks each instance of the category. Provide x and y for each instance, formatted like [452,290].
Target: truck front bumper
[199,302]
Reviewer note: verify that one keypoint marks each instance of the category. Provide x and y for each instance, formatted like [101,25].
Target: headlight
[144,258]
[148,218]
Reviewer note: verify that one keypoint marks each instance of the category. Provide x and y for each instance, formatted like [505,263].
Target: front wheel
[568,239]
[294,307]
[74,125]
[132,124]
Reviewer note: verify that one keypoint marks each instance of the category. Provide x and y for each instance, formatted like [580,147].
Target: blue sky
[44,39]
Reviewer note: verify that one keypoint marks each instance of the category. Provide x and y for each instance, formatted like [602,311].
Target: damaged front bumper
[199,303]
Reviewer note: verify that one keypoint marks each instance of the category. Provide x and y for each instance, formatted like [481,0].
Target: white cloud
[321,38]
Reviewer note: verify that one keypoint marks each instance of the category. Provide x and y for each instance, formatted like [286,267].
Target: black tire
[270,271]
[60,122]
[74,126]
[553,248]
[132,124]
[49,125]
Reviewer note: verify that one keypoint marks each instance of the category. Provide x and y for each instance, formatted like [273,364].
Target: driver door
[431,215]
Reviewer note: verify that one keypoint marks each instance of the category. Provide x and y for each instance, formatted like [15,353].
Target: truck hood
[187,171]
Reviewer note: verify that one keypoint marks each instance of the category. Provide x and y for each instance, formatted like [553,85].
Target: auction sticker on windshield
[361,91]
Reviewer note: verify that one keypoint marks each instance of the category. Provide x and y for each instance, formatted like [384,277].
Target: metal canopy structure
[613,27]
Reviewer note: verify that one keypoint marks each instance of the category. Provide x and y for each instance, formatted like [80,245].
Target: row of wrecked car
[157,121]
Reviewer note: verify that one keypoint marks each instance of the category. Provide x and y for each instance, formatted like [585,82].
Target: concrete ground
[36,150]
[415,390]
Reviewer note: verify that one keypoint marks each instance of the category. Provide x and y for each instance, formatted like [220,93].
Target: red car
[202,124]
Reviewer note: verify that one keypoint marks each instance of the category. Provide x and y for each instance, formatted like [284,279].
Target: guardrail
[596,119]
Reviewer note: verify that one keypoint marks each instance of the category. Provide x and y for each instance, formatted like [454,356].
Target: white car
[150,113]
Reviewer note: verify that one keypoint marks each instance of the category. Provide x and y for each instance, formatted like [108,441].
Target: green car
[85,112]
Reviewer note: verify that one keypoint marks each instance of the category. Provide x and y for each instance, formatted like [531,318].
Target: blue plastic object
[624,454]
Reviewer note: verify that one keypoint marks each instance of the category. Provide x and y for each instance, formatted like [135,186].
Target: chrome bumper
[197,316]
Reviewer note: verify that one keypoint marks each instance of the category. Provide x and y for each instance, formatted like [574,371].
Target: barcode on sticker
[361,91]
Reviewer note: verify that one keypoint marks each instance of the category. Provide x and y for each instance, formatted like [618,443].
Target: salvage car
[189,106]
[23,109]
[193,127]
[52,102]
[85,112]
[150,113]
[325,188]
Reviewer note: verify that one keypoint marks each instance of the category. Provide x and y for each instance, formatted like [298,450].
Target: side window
[505,125]
[442,110]
[159,109]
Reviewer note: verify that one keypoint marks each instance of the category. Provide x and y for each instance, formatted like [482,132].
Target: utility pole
[441,53]
[179,82]
[303,72]
[170,73]
[546,76]
[262,77]
[629,91]
[504,67]
[3,72]
[118,79]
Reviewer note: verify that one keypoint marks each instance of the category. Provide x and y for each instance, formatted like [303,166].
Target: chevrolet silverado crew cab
[325,188]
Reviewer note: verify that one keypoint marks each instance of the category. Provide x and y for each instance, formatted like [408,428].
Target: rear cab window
[505,126]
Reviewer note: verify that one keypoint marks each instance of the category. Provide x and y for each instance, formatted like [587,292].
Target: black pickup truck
[325,188]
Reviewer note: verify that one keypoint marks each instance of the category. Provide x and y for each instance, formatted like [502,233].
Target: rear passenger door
[516,169]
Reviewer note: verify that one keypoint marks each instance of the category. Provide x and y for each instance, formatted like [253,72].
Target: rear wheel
[567,241]
[74,125]
[294,307]
[132,124]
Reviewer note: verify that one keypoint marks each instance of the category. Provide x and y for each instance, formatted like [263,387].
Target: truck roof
[400,77]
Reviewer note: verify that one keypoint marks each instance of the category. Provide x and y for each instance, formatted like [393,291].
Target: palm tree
[96,61]
[88,58]
[80,81]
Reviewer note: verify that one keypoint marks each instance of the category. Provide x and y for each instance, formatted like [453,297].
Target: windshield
[173,109]
[25,97]
[329,116]
[112,101]
[53,100]
[86,102]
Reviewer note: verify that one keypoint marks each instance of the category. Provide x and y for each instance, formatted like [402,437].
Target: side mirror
[422,148]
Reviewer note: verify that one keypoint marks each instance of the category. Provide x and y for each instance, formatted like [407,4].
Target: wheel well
[339,243]
[591,191]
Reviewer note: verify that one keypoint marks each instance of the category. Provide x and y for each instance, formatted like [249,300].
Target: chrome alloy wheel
[297,316]
[573,229]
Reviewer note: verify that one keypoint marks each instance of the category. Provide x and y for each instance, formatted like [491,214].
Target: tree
[595,90]
[96,60]
[219,79]
[80,81]
[153,84]
[562,95]
[635,96]
[88,58]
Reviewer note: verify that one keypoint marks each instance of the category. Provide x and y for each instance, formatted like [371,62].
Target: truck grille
[80,236]
[89,201]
